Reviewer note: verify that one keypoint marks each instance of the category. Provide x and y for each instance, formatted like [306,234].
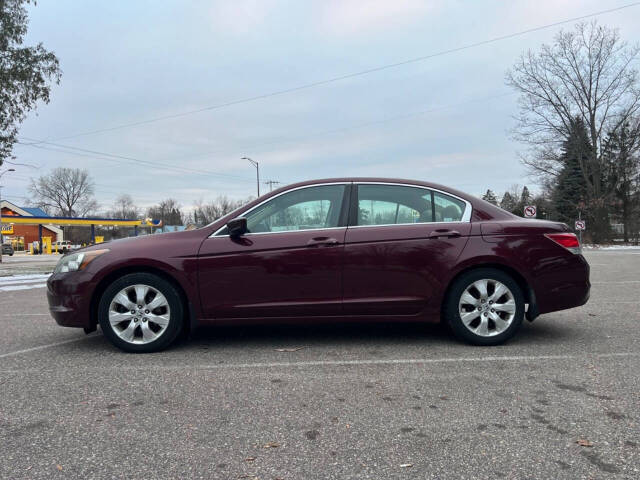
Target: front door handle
[322,242]
[444,232]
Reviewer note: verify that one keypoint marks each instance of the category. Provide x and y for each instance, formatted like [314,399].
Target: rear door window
[447,208]
[380,204]
[393,205]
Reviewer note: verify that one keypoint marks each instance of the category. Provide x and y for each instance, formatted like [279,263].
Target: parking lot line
[25,315]
[406,361]
[334,363]
[610,283]
[40,347]
[632,302]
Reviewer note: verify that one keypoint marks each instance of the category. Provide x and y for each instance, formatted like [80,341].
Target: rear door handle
[322,242]
[443,232]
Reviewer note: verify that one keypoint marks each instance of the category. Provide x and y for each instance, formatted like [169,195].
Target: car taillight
[566,240]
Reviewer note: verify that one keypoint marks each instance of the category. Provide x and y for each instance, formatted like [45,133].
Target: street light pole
[255,164]
[1,235]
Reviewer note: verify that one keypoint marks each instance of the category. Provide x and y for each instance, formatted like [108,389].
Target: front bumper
[69,296]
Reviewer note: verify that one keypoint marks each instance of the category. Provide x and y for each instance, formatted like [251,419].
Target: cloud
[239,17]
[352,17]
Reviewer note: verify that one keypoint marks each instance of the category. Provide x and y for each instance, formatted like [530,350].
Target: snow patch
[611,247]
[35,277]
[13,288]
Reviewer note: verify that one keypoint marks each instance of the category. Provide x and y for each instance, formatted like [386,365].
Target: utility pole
[255,164]
[271,183]
[1,235]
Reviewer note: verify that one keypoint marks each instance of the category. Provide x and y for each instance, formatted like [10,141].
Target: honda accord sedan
[337,250]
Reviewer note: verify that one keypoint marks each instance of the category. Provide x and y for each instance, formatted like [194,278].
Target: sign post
[580,226]
[530,211]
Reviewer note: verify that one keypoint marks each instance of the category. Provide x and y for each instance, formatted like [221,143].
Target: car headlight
[77,261]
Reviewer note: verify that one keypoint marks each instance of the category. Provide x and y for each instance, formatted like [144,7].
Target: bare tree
[205,213]
[65,191]
[125,208]
[587,73]
[169,211]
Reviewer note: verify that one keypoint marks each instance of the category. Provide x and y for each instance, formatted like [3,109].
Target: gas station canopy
[87,222]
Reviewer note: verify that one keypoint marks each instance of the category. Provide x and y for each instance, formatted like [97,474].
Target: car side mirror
[237,227]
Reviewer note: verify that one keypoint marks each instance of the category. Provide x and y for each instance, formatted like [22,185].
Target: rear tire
[141,313]
[484,307]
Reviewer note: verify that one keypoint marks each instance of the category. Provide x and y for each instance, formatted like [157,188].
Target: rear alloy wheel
[485,307]
[141,313]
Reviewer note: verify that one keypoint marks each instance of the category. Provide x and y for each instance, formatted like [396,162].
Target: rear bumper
[69,297]
[567,288]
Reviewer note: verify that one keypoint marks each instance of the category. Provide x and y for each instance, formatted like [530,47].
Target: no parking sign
[530,211]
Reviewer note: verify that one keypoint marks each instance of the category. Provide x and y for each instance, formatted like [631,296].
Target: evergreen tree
[490,197]
[620,153]
[525,199]
[571,188]
[508,203]
[525,196]
[543,205]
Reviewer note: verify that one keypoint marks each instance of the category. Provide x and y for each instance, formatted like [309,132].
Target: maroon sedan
[339,249]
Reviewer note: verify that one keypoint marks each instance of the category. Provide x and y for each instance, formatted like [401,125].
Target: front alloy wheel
[141,312]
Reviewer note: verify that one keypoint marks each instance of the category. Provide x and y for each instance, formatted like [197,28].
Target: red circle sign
[530,211]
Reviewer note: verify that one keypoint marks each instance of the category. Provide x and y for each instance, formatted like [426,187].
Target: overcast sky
[444,119]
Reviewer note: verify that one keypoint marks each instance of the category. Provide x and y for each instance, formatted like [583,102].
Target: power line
[14,197]
[349,75]
[120,159]
[29,165]
[123,159]
[102,189]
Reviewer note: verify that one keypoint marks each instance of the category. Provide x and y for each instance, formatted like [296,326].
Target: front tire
[484,307]
[141,313]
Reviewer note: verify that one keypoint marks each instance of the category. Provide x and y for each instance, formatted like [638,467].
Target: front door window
[303,209]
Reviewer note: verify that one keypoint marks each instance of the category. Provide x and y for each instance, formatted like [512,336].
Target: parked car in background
[62,246]
[329,250]
[7,249]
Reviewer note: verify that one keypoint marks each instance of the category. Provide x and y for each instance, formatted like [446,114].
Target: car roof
[407,181]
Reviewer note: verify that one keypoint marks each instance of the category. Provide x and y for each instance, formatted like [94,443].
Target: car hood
[171,243]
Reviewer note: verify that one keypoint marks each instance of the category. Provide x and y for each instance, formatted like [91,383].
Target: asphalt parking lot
[329,402]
